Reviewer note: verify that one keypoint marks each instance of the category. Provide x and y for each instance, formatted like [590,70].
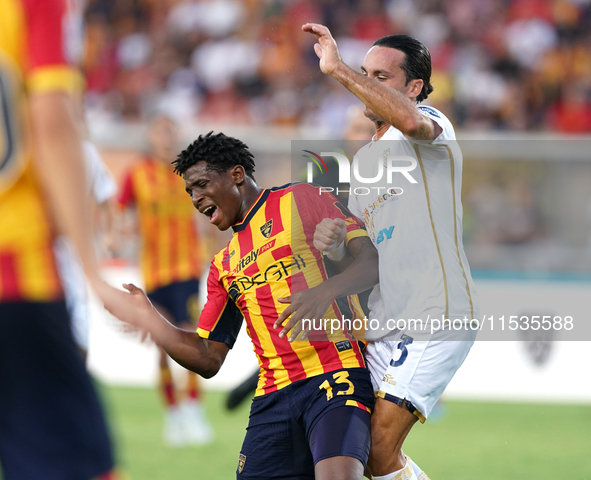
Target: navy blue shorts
[180,299]
[51,421]
[294,428]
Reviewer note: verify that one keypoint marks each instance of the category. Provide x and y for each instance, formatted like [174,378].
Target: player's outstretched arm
[313,303]
[394,107]
[202,356]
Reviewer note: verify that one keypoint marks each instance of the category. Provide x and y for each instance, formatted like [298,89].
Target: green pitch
[472,440]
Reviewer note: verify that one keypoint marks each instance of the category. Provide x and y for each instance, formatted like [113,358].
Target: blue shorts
[294,428]
[180,299]
[51,422]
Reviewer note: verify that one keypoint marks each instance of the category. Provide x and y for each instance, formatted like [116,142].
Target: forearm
[187,348]
[390,105]
[360,274]
[60,168]
[343,263]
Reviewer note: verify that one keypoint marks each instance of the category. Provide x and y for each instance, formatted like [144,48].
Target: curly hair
[219,151]
[417,61]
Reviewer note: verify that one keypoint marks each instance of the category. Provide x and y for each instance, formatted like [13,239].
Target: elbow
[415,127]
[412,128]
[213,363]
[211,370]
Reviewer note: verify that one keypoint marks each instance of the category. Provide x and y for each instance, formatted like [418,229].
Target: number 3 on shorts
[340,377]
[404,341]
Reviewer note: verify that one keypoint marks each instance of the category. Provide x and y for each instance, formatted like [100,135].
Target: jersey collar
[251,211]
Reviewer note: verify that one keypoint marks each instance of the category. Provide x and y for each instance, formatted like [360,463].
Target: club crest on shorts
[241,462]
[266,229]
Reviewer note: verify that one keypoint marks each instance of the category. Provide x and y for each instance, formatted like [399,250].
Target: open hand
[308,304]
[326,48]
[133,308]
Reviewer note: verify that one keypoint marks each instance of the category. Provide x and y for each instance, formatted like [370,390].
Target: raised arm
[393,106]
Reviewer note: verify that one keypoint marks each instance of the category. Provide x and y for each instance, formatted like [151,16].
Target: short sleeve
[314,205]
[220,319]
[354,207]
[447,129]
[49,38]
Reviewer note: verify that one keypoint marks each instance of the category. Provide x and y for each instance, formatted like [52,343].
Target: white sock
[405,473]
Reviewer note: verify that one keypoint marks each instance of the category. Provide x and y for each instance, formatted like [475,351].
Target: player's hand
[133,308]
[308,304]
[329,234]
[326,48]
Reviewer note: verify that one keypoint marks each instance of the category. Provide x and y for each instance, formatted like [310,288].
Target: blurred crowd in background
[498,66]
[519,65]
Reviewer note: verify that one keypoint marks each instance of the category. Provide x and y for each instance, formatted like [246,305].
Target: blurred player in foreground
[423,268]
[51,423]
[310,415]
[101,188]
[171,267]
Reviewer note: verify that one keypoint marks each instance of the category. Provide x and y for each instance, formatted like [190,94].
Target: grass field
[471,441]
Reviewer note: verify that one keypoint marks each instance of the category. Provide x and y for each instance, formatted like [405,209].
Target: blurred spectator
[497,65]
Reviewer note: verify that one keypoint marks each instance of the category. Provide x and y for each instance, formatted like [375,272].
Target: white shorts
[415,373]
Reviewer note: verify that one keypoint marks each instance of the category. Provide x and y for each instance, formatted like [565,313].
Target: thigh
[336,415]
[51,422]
[419,371]
[275,445]
[342,432]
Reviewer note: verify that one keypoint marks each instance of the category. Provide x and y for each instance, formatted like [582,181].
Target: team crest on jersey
[266,229]
[241,462]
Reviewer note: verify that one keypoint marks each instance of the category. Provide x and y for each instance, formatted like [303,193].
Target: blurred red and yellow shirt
[171,251]
[34,43]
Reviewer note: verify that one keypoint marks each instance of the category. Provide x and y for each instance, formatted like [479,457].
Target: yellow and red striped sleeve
[33,40]
[47,68]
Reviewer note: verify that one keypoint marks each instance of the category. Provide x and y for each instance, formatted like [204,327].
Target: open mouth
[211,212]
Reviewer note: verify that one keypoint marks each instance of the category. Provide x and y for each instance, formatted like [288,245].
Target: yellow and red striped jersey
[170,243]
[32,60]
[271,255]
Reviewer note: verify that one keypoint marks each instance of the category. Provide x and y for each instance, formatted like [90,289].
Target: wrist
[339,70]
[337,253]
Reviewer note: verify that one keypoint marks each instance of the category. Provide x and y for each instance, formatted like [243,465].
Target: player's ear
[238,174]
[414,88]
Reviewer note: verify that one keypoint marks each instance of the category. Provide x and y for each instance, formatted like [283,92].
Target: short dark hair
[417,62]
[219,151]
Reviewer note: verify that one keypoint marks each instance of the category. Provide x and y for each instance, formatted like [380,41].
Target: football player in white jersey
[417,230]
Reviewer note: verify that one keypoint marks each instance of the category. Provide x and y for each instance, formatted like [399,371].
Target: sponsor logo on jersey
[389,379]
[343,345]
[274,273]
[430,111]
[385,234]
[252,256]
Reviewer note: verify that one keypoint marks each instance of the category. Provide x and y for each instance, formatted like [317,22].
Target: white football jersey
[416,227]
